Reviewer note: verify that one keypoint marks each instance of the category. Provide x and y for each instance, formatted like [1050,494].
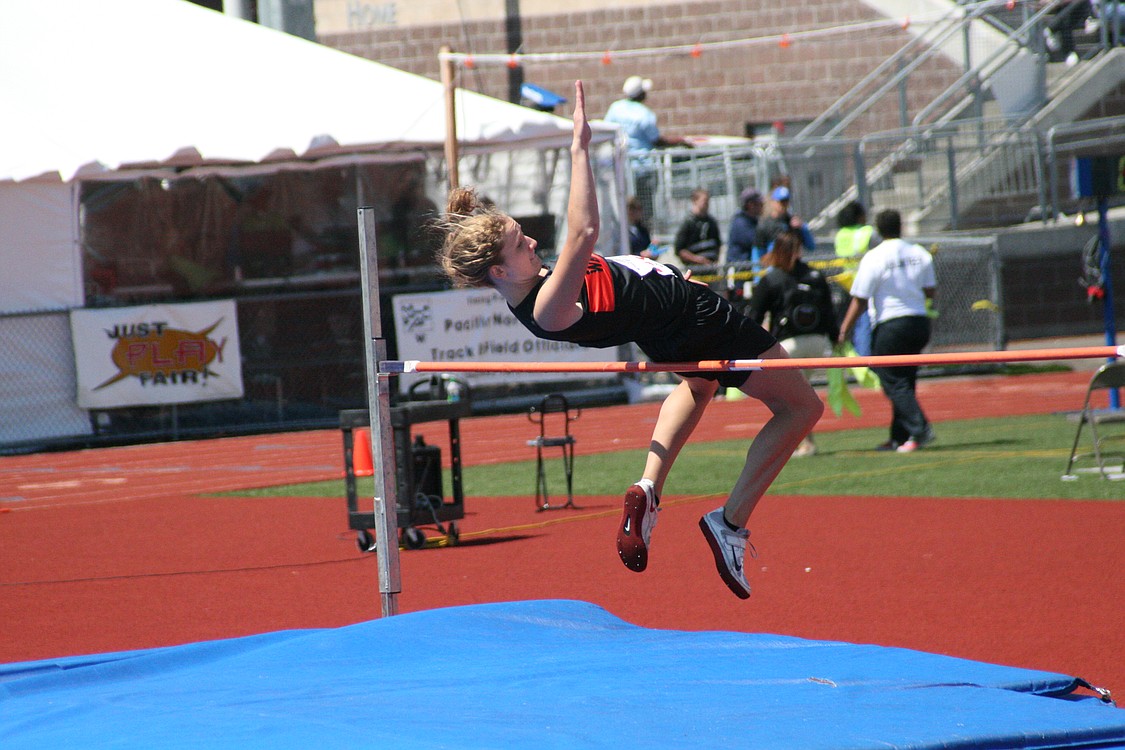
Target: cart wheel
[453,533]
[414,538]
[365,541]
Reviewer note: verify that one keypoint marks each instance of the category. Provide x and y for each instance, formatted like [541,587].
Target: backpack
[801,306]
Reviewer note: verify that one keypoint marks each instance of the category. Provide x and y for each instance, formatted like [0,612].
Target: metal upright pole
[1107,284]
[379,406]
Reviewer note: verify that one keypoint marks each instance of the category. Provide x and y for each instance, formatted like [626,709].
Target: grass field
[1016,457]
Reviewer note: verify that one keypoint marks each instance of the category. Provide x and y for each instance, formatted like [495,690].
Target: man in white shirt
[894,282]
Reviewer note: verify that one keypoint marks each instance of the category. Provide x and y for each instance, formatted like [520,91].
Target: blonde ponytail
[474,236]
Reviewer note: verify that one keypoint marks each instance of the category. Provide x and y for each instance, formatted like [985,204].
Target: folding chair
[554,404]
[1111,375]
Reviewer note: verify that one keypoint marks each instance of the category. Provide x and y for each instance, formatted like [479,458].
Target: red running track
[115,549]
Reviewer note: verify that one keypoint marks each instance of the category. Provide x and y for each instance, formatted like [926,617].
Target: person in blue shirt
[777,219]
[638,123]
[635,118]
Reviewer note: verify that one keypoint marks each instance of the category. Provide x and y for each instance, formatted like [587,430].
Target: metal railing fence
[965,174]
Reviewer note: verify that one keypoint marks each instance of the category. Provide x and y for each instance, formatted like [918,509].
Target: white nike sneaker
[729,548]
[637,523]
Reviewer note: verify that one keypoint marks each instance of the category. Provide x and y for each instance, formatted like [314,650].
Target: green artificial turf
[1015,457]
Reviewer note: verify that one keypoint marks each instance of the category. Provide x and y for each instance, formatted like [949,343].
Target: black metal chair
[1111,375]
[553,409]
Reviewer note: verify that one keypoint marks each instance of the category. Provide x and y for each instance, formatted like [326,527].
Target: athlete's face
[518,261]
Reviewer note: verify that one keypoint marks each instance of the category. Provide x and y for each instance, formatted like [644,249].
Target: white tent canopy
[94,86]
[92,89]
[110,89]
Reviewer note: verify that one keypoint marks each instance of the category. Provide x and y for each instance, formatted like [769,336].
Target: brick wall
[716,94]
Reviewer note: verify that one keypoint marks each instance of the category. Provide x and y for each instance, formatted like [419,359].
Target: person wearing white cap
[638,122]
[635,118]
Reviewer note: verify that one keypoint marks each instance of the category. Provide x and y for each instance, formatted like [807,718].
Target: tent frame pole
[451,154]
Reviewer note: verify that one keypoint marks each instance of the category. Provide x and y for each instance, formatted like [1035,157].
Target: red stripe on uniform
[599,285]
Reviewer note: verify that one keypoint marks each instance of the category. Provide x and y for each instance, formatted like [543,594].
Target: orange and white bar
[397,367]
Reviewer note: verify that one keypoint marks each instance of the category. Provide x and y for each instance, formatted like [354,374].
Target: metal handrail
[931,47]
[1114,127]
[993,62]
[809,131]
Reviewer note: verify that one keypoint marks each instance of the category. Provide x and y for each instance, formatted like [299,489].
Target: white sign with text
[156,354]
[475,325]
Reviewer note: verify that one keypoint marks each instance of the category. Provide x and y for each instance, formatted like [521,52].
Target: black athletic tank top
[628,298]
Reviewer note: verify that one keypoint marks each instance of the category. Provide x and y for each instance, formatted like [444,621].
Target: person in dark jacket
[744,228]
[698,240]
[798,302]
[640,239]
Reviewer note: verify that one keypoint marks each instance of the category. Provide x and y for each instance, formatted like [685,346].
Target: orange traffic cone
[361,454]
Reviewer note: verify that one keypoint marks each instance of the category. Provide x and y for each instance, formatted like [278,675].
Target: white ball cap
[635,86]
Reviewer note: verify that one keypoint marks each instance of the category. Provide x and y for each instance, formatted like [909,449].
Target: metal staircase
[973,156]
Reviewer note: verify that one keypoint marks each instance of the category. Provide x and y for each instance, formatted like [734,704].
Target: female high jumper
[596,301]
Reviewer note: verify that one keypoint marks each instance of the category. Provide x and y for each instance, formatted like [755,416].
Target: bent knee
[799,402]
[805,405]
[811,407]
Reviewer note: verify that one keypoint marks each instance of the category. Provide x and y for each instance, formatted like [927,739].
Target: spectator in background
[638,122]
[744,228]
[854,237]
[640,240]
[798,302]
[1059,33]
[698,241]
[896,281]
[777,219]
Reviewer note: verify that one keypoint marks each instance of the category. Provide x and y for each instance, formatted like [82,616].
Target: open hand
[582,132]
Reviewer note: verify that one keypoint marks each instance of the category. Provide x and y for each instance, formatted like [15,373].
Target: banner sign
[475,325]
[157,354]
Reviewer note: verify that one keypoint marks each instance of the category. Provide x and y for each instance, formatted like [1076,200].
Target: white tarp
[95,86]
[40,267]
[157,354]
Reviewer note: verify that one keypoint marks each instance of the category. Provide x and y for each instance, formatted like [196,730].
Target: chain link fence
[663,180]
[302,355]
[37,379]
[969,296]
[302,362]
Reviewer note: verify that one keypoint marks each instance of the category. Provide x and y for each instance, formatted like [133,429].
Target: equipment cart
[419,497]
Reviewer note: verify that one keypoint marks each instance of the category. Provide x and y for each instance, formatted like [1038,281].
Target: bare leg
[679,414]
[678,417]
[796,409]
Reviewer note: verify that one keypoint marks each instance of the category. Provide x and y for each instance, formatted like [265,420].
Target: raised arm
[556,307]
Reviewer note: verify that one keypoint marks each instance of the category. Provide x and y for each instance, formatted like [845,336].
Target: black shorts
[713,330]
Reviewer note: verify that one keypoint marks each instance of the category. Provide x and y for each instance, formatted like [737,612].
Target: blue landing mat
[539,674]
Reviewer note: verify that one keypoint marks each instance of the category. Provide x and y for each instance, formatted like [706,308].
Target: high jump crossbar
[399,367]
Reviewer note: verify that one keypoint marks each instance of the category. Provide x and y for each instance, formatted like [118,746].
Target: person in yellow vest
[853,238]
